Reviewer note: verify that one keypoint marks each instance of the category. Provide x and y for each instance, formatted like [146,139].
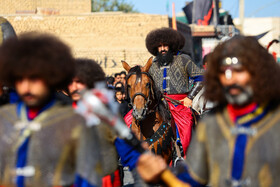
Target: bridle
[148,100]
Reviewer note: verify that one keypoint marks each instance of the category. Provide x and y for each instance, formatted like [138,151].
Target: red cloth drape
[112,180]
[128,118]
[183,119]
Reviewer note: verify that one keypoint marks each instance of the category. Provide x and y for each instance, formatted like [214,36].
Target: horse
[152,121]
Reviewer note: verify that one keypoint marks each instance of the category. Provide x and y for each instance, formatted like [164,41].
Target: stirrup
[178,159]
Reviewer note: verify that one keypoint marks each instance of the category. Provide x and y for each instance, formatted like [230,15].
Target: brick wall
[30,6]
[105,37]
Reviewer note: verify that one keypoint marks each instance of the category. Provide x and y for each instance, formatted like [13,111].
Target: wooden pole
[174,24]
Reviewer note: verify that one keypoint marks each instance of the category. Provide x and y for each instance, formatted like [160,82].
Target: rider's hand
[150,167]
[186,102]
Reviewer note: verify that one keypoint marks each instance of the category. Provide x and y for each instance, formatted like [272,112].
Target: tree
[111,5]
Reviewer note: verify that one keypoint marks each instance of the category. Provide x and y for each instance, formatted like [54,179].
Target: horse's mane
[134,70]
[162,106]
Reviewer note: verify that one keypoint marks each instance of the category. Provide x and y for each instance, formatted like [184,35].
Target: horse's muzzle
[139,114]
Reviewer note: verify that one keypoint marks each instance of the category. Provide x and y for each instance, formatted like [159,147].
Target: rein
[173,100]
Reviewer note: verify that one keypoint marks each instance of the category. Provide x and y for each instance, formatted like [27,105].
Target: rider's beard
[165,59]
[241,99]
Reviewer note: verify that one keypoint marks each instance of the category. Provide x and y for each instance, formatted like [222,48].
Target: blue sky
[253,8]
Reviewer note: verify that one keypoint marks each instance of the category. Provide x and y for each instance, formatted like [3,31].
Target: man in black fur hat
[40,136]
[171,72]
[88,73]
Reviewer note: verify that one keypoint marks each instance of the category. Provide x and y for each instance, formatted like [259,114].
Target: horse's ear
[148,65]
[126,66]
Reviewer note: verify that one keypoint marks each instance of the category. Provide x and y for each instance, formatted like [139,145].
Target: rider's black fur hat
[168,36]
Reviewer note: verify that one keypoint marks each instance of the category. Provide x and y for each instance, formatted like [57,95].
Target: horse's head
[139,87]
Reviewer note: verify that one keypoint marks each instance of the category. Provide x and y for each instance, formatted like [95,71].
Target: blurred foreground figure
[88,74]
[39,136]
[238,143]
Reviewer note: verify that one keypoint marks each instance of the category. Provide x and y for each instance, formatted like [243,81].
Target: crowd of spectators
[117,84]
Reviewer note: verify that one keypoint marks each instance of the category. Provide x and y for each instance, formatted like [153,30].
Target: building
[258,26]
[108,37]
[61,7]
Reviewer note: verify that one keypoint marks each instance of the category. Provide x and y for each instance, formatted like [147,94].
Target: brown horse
[152,121]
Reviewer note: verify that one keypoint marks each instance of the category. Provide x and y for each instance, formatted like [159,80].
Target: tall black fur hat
[168,36]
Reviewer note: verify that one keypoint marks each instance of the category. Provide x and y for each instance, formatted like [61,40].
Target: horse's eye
[148,85]
[128,86]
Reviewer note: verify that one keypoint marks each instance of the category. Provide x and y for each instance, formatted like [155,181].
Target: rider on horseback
[171,71]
